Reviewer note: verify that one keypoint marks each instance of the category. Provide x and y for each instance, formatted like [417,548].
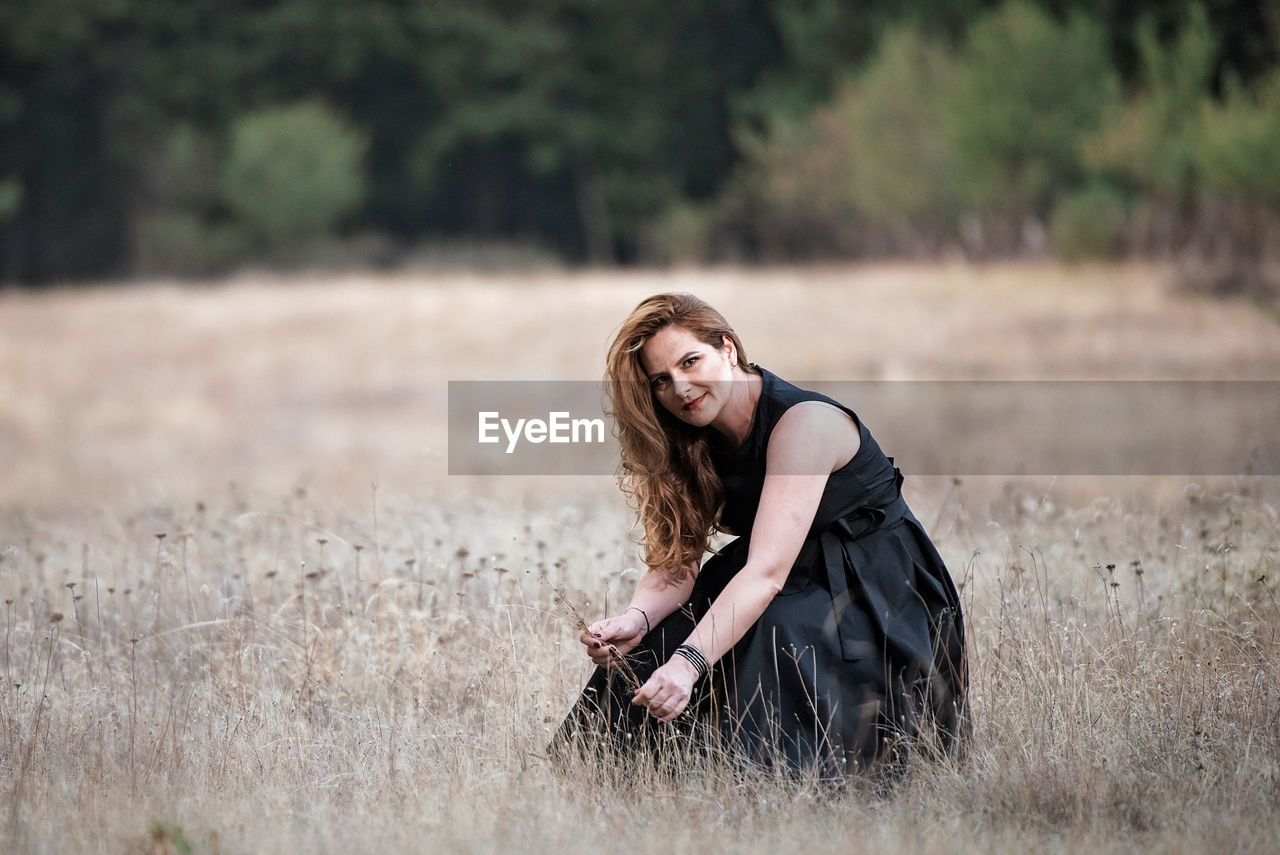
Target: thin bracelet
[644,615]
[695,658]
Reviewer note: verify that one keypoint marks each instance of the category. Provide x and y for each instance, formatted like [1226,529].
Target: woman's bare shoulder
[812,437]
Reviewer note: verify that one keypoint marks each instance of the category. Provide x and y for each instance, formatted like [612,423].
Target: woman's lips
[695,402]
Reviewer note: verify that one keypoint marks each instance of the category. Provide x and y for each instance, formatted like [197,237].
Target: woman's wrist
[643,614]
[687,666]
[693,657]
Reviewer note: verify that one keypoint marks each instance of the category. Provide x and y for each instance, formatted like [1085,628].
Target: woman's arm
[657,595]
[809,442]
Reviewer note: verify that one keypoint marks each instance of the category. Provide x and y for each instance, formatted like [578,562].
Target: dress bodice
[868,479]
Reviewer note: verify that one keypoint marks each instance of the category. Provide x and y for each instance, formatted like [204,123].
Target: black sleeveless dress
[859,653]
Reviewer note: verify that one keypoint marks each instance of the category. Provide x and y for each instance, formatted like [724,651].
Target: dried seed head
[55,617]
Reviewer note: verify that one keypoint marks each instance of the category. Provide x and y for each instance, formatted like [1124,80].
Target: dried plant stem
[186,579]
[29,750]
[575,619]
[377,541]
[155,625]
[133,716]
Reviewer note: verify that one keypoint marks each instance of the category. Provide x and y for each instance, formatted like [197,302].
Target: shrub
[1237,158]
[182,243]
[10,197]
[1237,149]
[293,172]
[682,234]
[180,172]
[1088,223]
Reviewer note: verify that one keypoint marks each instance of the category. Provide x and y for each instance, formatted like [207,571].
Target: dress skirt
[858,658]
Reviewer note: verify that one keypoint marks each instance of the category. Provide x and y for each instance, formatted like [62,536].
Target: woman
[828,633]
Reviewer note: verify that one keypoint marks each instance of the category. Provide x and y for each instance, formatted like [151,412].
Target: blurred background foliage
[140,137]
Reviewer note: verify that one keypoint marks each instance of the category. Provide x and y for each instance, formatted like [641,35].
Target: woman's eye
[689,361]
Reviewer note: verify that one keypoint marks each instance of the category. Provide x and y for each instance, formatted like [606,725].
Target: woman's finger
[594,644]
[660,699]
[643,695]
[665,711]
[671,709]
[651,697]
[601,628]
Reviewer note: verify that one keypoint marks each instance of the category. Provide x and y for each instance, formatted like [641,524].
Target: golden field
[247,610]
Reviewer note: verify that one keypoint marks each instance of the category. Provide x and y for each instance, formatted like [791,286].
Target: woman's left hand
[667,692]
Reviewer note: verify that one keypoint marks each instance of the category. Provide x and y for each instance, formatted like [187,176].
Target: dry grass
[306,662]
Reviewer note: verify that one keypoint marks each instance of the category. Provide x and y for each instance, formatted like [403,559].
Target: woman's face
[689,377]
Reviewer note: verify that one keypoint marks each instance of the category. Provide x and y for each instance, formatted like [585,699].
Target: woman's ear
[730,352]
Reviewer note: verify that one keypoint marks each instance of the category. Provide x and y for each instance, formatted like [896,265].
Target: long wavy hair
[665,470]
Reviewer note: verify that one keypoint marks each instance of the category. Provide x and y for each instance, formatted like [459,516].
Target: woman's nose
[680,385]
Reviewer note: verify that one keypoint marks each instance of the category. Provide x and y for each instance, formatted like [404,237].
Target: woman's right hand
[612,638]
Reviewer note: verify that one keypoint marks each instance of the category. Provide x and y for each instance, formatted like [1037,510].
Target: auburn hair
[665,468]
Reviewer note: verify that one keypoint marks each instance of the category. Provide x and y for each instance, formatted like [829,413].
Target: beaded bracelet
[695,658]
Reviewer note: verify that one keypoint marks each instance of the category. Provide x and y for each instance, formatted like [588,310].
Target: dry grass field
[247,611]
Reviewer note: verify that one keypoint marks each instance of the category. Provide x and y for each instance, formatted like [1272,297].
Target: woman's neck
[735,420]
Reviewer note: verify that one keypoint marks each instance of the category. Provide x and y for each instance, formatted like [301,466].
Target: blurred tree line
[141,136]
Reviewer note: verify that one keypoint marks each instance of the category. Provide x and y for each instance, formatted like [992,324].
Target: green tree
[874,162]
[1238,146]
[616,108]
[1149,140]
[1237,154]
[1025,91]
[1148,143]
[579,123]
[901,171]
